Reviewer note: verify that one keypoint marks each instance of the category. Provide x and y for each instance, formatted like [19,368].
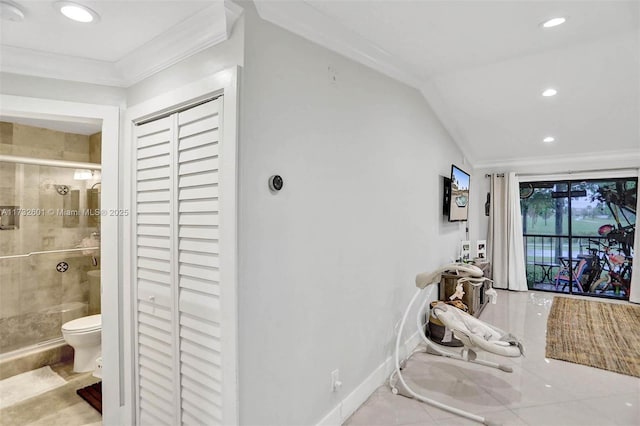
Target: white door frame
[225,83]
[110,242]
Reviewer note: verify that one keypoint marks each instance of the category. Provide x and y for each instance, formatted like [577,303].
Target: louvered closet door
[179,350]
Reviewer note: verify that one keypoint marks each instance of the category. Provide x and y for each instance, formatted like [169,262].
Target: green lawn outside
[579,227]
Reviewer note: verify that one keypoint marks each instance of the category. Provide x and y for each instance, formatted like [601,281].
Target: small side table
[546,270]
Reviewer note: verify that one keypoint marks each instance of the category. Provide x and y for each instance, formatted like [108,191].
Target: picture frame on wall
[465,251]
[481,250]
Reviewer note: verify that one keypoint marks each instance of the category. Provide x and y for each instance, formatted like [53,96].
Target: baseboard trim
[345,408]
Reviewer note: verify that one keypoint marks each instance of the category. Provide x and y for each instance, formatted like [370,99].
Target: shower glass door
[49,240]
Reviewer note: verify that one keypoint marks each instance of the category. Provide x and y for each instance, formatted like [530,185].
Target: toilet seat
[83,325]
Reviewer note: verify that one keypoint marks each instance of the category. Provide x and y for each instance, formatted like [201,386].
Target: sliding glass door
[578,235]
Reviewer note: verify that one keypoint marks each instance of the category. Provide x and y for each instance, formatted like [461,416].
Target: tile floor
[58,407]
[539,392]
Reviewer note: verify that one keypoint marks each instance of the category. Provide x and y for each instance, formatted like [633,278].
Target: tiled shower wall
[35,299]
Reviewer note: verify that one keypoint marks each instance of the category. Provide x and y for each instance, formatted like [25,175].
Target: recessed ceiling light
[10,11]
[549,92]
[76,12]
[554,22]
[549,139]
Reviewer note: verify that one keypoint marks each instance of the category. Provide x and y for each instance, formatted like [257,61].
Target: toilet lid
[90,323]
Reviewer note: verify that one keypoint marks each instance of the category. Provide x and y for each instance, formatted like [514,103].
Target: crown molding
[207,28]
[596,160]
[306,21]
[17,60]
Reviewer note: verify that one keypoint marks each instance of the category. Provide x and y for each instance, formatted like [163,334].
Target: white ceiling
[480,64]
[124,26]
[132,39]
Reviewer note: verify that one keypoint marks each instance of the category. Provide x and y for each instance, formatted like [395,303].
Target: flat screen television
[459,195]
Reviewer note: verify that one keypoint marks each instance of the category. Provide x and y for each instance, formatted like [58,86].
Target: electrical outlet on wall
[335,380]
[332,74]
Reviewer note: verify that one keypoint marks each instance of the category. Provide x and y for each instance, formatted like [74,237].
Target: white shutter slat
[199,165]
[153,127]
[188,158]
[153,173]
[152,321]
[201,306]
[149,369]
[196,206]
[209,260]
[199,139]
[151,196]
[150,416]
[154,387]
[201,285]
[154,309]
[204,232]
[153,241]
[161,406]
[153,350]
[153,208]
[198,219]
[153,151]
[207,191]
[152,219]
[198,112]
[154,185]
[154,362]
[154,264]
[152,252]
[213,372]
[198,179]
[201,272]
[202,339]
[153,231]
[207,412]
[202,245]
[214,386]
[162,160]
[210,328]
[155,291]
[205,124]
[154,138]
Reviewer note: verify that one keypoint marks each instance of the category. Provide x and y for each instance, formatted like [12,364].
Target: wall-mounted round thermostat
[276,183]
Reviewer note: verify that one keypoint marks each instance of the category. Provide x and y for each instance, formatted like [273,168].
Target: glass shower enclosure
[49,246]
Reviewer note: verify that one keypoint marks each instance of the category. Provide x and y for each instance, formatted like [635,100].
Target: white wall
[328,264]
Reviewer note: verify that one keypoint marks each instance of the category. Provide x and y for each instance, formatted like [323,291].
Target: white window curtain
[505,242]
[634,294]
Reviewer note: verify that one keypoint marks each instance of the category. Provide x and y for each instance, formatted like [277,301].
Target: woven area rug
[598,334]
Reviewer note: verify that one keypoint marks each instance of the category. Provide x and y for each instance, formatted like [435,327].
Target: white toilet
[84,336]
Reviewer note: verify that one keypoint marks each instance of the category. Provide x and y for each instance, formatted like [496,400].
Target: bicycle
[616,267]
